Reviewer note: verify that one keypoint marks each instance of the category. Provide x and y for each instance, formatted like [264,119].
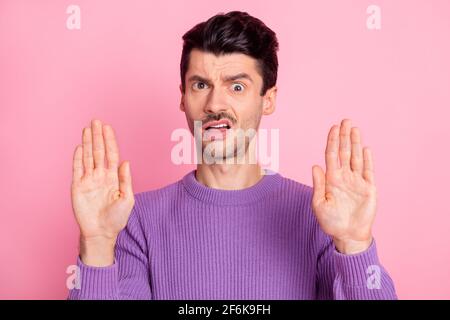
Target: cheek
[194,103]
[249,111]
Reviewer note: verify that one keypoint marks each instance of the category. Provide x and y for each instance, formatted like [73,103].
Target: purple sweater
[188,241]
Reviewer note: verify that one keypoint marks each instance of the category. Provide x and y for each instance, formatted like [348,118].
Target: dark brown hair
[233,32]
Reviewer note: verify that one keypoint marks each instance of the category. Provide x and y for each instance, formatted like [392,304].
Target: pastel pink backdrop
[123,68]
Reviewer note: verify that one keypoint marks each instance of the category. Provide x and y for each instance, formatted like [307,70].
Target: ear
[269,101]
[182,108]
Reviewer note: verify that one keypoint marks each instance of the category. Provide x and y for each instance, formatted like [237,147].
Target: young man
[227,230]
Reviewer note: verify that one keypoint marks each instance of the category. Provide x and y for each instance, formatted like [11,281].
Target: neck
[229,176]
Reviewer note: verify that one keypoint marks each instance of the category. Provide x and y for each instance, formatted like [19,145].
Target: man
[228,230]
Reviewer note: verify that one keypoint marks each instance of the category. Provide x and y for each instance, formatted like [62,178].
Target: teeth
[219,126]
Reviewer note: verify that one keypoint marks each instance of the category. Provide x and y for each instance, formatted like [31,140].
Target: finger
[125,183]
[88,160]
[112,150]
[344,143]
[98,148]
[356,161]
[318,184]
[77,171]
[368,172]
[331,151]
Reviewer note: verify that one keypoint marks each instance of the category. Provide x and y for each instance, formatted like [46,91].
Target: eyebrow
[241,75]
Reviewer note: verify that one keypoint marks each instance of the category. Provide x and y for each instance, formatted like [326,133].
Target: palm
[344,199]
[99,195]
[102,197]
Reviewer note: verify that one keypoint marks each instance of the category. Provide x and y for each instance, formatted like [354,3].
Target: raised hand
[344,198]
[102,195]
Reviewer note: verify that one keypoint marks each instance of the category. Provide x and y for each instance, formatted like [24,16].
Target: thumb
[125,183]
[318,184]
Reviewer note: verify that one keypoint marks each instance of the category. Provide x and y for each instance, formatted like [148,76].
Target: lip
[215,123]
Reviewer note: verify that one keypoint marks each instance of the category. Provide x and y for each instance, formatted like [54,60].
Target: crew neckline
[267,184]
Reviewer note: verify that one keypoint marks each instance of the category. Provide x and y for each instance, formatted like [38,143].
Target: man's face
[224,90]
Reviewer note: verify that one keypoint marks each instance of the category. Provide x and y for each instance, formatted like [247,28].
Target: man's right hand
[102,195]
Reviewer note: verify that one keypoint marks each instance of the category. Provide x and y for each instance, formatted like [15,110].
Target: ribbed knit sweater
[189,241]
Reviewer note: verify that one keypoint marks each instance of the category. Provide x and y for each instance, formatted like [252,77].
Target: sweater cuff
[96,282]
[355,269]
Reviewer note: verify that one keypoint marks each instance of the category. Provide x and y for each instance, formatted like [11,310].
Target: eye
[199,85]
[237,87]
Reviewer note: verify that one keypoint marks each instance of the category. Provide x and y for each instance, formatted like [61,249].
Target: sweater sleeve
[352,277]
[127,278]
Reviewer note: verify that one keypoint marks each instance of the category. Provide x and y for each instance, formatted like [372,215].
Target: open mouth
[219,126]
[223,124]
[217,130]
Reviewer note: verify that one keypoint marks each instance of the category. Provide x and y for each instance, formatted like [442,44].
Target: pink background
[123,68]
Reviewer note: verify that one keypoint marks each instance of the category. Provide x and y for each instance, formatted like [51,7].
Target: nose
[216,102]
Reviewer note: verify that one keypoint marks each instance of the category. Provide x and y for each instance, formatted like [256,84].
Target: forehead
[208,64]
